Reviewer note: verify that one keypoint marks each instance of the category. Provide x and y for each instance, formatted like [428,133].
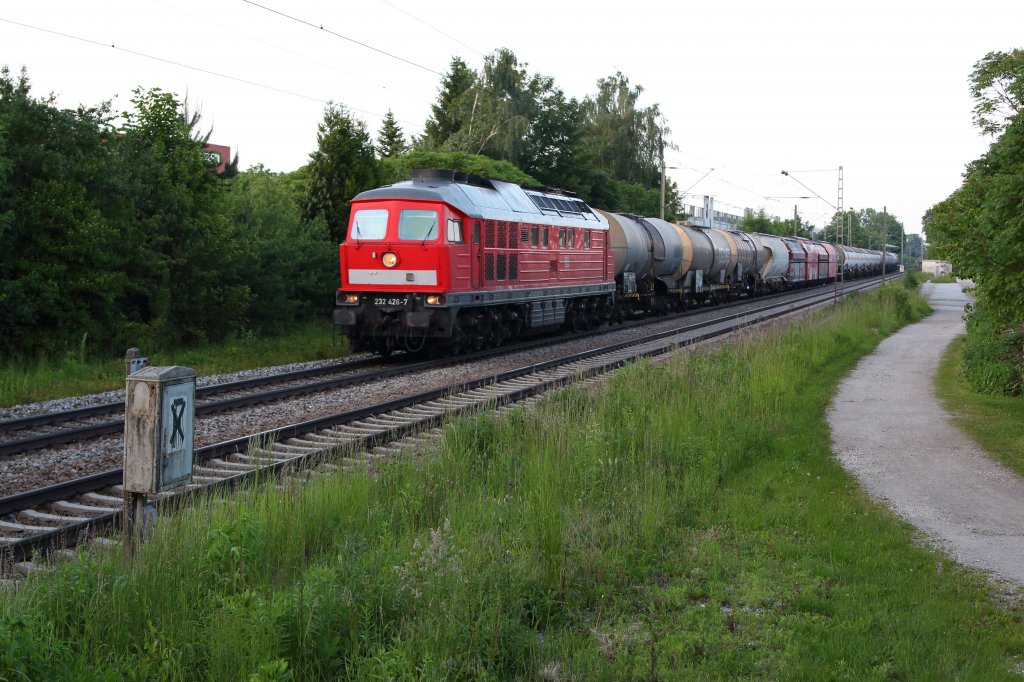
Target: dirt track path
[889,430]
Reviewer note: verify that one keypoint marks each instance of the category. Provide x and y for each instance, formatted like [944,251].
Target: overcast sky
[749,88]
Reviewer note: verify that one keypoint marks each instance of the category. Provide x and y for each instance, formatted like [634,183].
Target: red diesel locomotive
[455,262]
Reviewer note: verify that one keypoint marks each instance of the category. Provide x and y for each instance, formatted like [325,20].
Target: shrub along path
[890,431]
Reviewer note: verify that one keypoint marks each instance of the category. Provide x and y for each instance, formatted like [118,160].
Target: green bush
[993,354]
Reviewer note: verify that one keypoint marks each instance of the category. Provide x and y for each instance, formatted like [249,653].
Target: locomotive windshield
[369,223]
[417,225]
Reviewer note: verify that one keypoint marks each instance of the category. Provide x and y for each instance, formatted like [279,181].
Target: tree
[626,142]
[997,86]
[765,224]
[296,259]
[61,224]
[447,113]
[187,262]
[390,140]
[343,165]
[870,228]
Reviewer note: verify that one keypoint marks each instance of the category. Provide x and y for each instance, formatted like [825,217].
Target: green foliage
[61,266]
[187,262]
[124,237]
[765,224]
[993,355]
[980,226]
[996,422]
[627,142]
[447,113]
[342,166]
[912,279]
[296,259]
[400,168]
[871,229]
[997,86]
[390,140]
[605,148]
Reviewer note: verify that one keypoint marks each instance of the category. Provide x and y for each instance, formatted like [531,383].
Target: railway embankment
[894,434]
[688,520]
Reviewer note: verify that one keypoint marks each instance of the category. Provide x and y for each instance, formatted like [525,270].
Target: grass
[76,373]
[996,422]
[686,522]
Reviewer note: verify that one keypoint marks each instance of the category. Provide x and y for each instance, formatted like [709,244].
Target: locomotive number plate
[392,301]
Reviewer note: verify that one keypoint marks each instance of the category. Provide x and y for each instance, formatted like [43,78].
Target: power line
[165,61]
[206,20]
[186,66]
[343,37]
[434,28]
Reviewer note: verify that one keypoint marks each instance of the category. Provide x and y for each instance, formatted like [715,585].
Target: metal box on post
[159,429]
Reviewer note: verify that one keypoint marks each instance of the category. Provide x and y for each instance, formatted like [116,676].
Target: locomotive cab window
[586,239]
[561,236]
[417,225]
[476,233]
[544,238]
[369,223]
[533,236]
[454,231]
[570,238]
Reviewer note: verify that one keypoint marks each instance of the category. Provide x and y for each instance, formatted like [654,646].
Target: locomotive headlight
[389,259]
[435,299]
[351,298]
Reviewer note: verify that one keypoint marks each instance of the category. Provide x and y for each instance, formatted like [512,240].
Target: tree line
[117,232]
[980,227]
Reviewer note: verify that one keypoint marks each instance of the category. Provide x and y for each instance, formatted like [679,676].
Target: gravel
[44,467]
[890,431]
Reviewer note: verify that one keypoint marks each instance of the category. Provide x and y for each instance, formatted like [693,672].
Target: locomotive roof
[486,199]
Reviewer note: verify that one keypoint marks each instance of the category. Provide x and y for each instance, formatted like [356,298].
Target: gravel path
[890,431]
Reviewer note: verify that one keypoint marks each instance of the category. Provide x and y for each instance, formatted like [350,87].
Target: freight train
[450,262]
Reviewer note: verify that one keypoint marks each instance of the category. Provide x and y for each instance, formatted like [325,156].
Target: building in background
[939,268]
[218,154]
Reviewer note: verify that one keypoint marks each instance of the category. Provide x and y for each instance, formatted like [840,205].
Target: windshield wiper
[430,231]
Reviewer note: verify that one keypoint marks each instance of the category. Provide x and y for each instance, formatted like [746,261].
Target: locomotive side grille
[525,235]
[489,266]
[489,229]
[513,266]
[513,236]
[502,234]
[501,265]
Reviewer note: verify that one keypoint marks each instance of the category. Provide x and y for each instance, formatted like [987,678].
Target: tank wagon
[452,262]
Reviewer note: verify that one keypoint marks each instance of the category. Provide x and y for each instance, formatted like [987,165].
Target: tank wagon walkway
[890,431]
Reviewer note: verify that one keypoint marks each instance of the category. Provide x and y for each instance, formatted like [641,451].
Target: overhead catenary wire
[432,27]
[190,67]
[343,37]
[318,62]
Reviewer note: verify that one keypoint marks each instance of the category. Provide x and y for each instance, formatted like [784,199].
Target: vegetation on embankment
[78,373]
[687,521]
[996,422]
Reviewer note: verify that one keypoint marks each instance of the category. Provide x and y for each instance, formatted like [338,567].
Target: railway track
[60,516]
[51,429]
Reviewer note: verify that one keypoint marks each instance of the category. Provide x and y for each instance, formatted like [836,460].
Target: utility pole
[663,183]
[795,219]
[885,238]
